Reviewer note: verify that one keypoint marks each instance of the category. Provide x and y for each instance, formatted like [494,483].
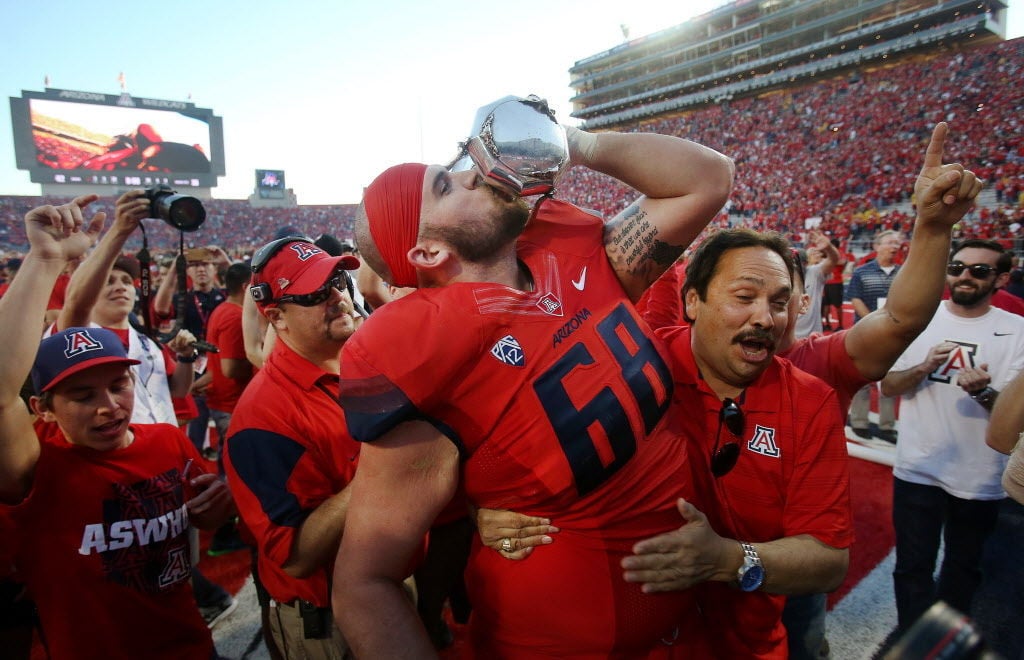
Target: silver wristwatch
[751,573]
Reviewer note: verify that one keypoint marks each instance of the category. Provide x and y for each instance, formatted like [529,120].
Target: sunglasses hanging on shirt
[724,457]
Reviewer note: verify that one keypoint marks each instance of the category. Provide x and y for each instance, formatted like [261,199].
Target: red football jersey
[556,399]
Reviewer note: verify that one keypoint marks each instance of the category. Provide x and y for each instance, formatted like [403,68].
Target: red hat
[66,353]
[297,267]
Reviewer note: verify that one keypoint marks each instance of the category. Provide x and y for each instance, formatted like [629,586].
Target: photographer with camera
[102,292]
[203,296]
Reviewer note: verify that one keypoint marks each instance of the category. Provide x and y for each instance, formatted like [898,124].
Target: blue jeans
[920,515]
[804,618]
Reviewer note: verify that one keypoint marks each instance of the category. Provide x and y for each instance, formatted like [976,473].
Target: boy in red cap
[102,505]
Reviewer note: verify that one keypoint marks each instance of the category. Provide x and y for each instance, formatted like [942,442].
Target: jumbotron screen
[270,184]
[65,136]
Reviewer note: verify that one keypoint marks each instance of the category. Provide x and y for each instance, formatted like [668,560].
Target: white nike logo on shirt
[582,282]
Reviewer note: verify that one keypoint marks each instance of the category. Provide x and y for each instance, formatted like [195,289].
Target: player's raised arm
[683,185]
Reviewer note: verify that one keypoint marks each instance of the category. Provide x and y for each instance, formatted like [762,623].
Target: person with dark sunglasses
[947,483]
[288,458]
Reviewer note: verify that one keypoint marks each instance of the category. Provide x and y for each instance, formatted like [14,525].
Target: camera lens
[180,211]
[941,632]
[184,212]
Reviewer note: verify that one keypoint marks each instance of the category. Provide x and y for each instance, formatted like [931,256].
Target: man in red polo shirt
[288,459]
[765,438]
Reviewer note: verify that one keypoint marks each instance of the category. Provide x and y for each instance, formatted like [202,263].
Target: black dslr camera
[179,211]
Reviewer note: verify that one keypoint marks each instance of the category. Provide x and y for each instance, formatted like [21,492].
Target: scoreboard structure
[72,141]
[270,184]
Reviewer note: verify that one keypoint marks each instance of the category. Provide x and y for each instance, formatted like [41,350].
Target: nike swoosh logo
[582,282]
[1002,334]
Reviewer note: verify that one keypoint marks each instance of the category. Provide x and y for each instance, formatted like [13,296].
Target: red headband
[392,203]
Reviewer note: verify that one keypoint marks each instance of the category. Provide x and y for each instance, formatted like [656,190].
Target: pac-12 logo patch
[79,342]
[508,350]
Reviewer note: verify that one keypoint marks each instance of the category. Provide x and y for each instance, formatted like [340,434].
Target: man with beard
[288,459]
[520,369]
[946,479]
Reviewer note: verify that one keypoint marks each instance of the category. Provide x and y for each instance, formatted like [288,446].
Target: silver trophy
[517,145]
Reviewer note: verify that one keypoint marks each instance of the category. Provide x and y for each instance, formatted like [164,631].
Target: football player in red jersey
[520,369]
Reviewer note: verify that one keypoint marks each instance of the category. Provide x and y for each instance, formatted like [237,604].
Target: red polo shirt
[792,478]
[287,452]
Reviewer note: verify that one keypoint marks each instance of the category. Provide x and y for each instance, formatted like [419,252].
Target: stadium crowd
[226,221]
[838,152]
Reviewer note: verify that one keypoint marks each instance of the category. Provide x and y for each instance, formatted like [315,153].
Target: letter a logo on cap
[79,342]
[304,250]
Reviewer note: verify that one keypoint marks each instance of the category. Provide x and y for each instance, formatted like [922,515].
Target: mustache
[501,195]
[341,309]
[757,334]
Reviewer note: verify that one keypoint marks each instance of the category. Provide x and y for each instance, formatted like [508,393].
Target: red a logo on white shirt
[961,358]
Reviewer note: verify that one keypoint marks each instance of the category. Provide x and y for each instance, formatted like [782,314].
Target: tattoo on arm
[637,245]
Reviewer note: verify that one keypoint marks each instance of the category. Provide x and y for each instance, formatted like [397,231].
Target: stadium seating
[847,149]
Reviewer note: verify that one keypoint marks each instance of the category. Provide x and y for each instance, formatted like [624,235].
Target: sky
[330,91]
